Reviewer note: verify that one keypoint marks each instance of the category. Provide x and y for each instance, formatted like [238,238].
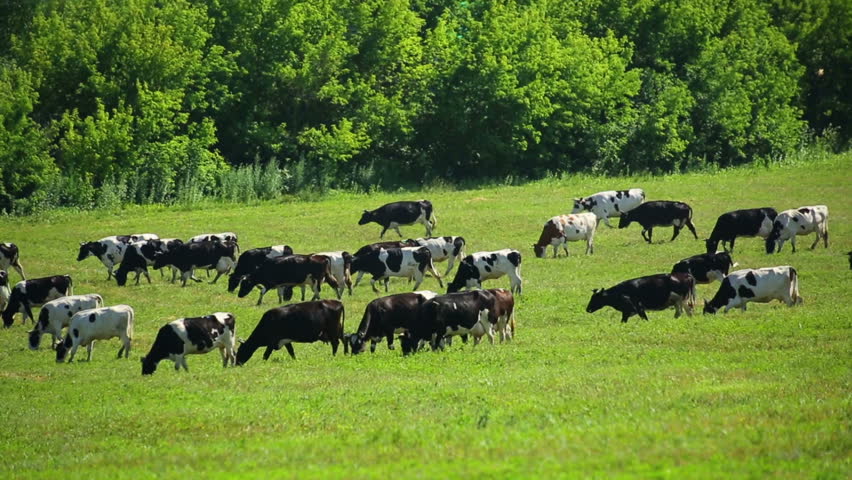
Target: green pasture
[765,393]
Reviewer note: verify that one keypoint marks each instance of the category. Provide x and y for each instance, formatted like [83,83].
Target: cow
[340,263]
[386,316]
[34,292]
[189,256]
[10,257]
[442,248]
[562,229]
[305,322]
[405,262]
[481,266]
[750,222]
[612,203]
[250,260]
[103,323]
[138,256]
[706,267]
[194,335]
[110,250]
[760,285]
[5,293]
[659,213]
[463,313]
[378,246]
[290,271]
[504,311]
[800,221]
[56,315]
[652,292]
[392,215]
[224,237]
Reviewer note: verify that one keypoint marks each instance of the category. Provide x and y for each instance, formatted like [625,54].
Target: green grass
[755,394]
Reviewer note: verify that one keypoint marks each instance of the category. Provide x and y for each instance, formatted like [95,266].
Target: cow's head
[357,343]
[62,348]
[464,274]
[773,237]
[712,245]
[408,344]
[90,248]
[579,205]
[4,278]
[540,250]
[598,300]
[247,284]
[161,259]
[709,309]
[233,282]
[121,276]
[148,366]
[366,217]
[34,338]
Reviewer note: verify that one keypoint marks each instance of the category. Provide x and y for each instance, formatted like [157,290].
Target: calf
[706,267]
[250,260]
[289,271]
[37,291]
[481,266]
[463,313]
[756,285]
[189,256]
[392,215]
[340,264]
[801,221]
[56,315]
[385,317]
[562,229]
[612,203]
[103,323]
[305,322]
[751,222]
[186,336]
[442,248]
[654,292]
[110,250]
[5,293]
[504,311]
[9,257]
[660,213]
[396,262]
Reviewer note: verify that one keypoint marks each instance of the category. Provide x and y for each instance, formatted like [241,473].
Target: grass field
[765,393]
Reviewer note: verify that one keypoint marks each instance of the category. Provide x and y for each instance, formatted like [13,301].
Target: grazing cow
[290,271]
[801,221]
[5,293]
[660,213]
[750,222]
[463,313]
[613,203]
[706,267]
[103,323]
[396,262]
[653,292]
[504,311]
[34,292]
[9,257]
[110,250]
[305,322]
[189,256]
[195,335]
[481,266]
[250,260]
[442,248]
[56,315]
[385,317]
[760,285]
[138,256]
[392,215]
[562,229]
[340,263]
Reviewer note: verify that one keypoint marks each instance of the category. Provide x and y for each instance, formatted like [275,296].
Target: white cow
[340,263]
[103,323]
[561,229]
[197,335]
[800,221]
[611,203]
[481,266]
[444,248]
[760,285]
[56,315]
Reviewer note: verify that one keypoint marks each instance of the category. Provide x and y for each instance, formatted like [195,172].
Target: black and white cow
[194,335]
[110,250]
[396,262]
[749,222]
[653,292]
[340,263]
[103,323]
[290,271]
[34,292]
[189,256]
[224,237]
[800,221]
[463,313]
[475,269]
[10,257]
[756,285]
[5,293]
[562,229]
[706,267]
[612,203]
[305,322]
[378,246]
[442,248]
[250,260]
[386,316]
[659,213]
[56,315]
[392,215]
[138,256]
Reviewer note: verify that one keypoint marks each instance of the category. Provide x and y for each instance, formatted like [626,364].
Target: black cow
[706,267]
[653,292]
[289,271]
[305,322]
[250,260]
[660,213]
[462,313]
[37,291]
[385,317]
[140,255]
[189,256]
[9,257]
[194,335]
[750,222]
[392,215]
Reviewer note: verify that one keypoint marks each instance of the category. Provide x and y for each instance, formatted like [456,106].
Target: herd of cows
[418,317]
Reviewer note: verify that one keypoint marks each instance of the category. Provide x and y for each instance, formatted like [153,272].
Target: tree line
[145,100]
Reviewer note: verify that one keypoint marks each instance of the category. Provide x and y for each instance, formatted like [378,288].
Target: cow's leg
[645,235]
[691,228]
[816,240]
[676,232]
[450,262]
[177,364]
[358,278]
[606,221]
[90,347]
[418,279]
[268,352]
[825,237]
[373,344]
[390,340]
[147,275]
[624,316]
[732,245]
[109,272]
[262,293]
[73,352]
[335,342]
[183,363]
[382,235]
[515,282]
[126,347]
[396,228]
[650,233]
[137,272]
[373,285]
[793,243]
[302,287]
[555,250]
[678,308]
[316,288]
[196,279]
[387,281]
[435,274]
[289,347]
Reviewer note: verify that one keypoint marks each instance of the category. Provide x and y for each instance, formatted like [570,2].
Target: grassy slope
[752,394]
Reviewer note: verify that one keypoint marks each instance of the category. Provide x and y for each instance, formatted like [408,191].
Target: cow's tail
[690,293]
[130,321]
[340,333]
[794,287]
[70,286]
[428,214]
